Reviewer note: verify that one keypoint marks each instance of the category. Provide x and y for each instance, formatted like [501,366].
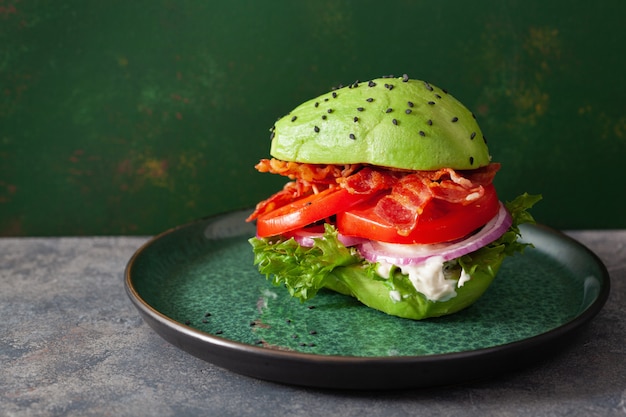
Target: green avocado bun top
[390,122]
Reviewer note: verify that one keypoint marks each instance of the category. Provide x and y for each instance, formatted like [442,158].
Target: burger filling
[410,243]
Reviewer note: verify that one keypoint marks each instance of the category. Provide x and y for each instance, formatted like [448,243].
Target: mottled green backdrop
[130,117]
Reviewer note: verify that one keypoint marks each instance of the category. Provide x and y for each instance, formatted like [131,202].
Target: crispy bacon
[408,192]
[317,173]
[369,180]
[483,176]
[408,198]
[403,206]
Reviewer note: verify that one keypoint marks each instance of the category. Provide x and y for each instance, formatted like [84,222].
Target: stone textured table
[72,344]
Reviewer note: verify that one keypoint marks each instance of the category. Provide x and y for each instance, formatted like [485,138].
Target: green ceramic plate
[197,287]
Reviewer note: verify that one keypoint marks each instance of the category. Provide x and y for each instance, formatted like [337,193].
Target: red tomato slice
[307,210]
[441,221]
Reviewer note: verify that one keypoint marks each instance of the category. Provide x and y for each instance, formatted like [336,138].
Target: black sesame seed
[259,342]
[444,90]
[410,103]
[272,135]
[371,84]
[252,324]
[334,94]
[317,104]
[408,111]
[312,332]
[405,78]
[356,119]
[473,135]
[293,119]
[395,122]
[317,129]
[428,86]
[389,110]
[422,133]
[369,100]
[455,119]
[329,111]
[471,160]
[302,344]
[288,321]
[219,332]
[207,315]
[352,136]
[326,99]
[360,108]
[311,307]
[187,322]
[429,122]
[389,86]
[431,103]
[324,117]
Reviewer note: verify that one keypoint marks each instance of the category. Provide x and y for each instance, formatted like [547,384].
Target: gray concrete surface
[72,344]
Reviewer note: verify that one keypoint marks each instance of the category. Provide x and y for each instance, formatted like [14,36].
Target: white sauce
[395,295]
[428,278]
[383,269]
[463,279]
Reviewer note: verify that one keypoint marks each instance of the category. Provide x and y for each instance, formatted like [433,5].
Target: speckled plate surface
[195,285]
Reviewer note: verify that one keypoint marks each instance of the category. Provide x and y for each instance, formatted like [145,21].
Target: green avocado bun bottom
[396,123]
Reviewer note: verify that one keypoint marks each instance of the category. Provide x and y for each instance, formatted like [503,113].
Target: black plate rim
[228,353]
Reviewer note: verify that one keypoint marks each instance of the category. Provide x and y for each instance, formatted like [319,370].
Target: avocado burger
[389,199]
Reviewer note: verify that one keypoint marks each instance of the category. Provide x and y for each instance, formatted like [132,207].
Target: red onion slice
[413,254]
[306,238]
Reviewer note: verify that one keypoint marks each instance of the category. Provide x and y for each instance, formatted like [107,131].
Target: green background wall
[131,117]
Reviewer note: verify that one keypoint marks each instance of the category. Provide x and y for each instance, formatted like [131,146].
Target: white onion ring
[413,254]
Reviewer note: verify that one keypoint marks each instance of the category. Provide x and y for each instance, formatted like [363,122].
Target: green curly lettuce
[303,271]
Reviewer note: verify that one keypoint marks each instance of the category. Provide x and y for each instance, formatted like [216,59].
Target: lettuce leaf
[329,264]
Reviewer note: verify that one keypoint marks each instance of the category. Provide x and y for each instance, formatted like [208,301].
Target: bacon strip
[409,192]
[408,198]
[403,206]
[307,172]
[369,180]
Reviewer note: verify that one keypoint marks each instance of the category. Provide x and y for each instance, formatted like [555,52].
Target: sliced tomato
[440,221]
[307,210]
